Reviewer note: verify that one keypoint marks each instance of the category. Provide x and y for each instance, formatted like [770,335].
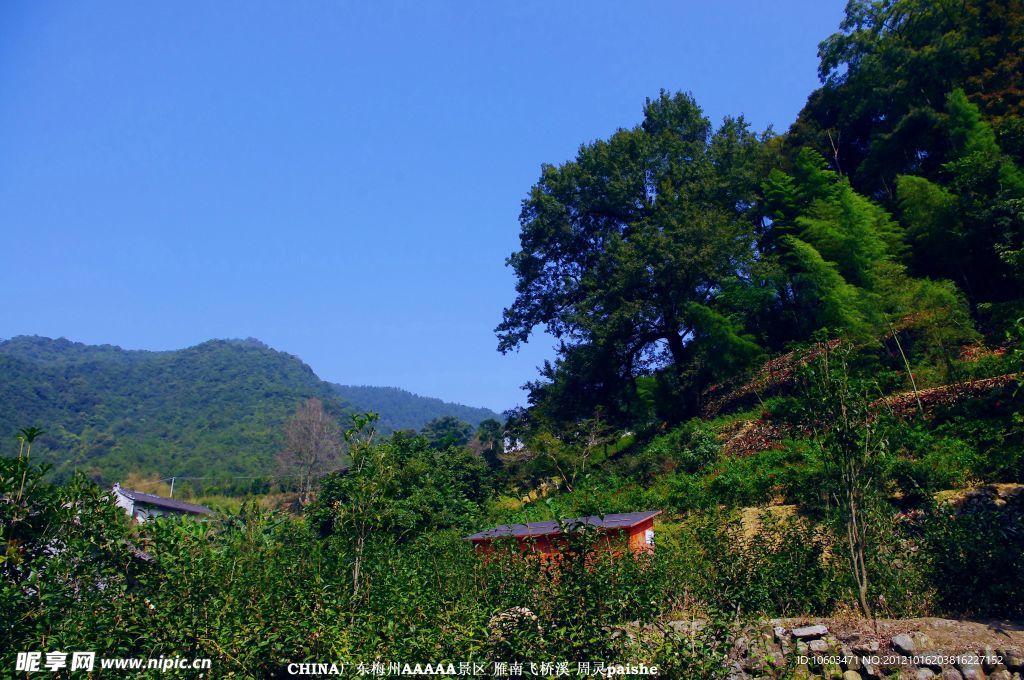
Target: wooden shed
[616,532]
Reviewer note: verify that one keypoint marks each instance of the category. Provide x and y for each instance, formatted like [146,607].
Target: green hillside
[213,410]
[403,410]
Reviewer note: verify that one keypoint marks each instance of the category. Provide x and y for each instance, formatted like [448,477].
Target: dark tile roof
[623,520]
[166,503]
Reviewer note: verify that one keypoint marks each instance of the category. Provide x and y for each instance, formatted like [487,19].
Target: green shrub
[689,448]
[939,463]
[991,425]
[750,481]
[688,492]
[701,652]
[899,565]
[976,560]
[780,569]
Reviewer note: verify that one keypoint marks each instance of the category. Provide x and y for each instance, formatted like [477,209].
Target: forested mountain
[403,410]
[216,409]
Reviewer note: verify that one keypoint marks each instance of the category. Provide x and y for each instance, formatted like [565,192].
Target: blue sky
[340,180]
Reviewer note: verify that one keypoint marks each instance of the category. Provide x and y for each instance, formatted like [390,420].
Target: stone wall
[938,648]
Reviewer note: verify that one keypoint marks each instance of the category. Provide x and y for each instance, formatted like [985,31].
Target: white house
[143,506]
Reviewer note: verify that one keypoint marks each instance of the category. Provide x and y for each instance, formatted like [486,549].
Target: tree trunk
[677,348]
[855,538]
[356,568]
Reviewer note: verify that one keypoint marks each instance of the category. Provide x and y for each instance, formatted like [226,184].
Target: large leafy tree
[626,249]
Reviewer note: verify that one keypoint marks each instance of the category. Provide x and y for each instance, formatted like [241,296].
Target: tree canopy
[886,75]
[447,431]
[625,249]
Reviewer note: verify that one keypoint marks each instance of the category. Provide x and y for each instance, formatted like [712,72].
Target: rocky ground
[852,649]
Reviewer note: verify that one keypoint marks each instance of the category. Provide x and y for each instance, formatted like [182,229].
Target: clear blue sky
[340,180]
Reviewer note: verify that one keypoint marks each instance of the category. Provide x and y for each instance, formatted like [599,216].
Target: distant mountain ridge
[214,409]
[402,410]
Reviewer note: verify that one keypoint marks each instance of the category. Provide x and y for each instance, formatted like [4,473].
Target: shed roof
[624,520]
[161,502]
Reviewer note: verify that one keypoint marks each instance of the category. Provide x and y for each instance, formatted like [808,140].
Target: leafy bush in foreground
[259,589]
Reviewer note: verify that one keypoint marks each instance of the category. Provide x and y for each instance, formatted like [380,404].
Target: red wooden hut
[630,530]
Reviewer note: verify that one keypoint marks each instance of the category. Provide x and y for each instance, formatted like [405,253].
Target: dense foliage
[256,590]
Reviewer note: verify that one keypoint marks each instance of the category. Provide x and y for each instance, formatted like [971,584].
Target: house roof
[161,502]
[625,520]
